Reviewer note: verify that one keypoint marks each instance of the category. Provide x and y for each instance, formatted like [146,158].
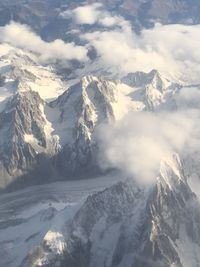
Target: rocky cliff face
[25,133]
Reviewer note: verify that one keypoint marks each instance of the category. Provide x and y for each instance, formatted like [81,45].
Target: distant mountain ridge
[45,20]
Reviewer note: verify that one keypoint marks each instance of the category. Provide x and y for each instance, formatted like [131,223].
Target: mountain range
[49,132]
[44,139]
[99,149]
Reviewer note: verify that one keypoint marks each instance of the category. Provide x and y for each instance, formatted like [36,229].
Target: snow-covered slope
[28,215]
[21,70]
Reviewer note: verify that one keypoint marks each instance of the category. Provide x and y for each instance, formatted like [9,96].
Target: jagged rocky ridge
[130,225]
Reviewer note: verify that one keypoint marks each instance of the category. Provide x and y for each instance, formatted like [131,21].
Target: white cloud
[173,49]
[110,21]
[91,14]
[22,36]
[188,97]
[87,14]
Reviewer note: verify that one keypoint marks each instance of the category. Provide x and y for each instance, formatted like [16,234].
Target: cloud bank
[172,49]
[138,142]
[21,36]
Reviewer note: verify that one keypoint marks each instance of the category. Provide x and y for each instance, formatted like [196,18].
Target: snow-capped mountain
[99,160]
[82,108]
[129,225]
[154,89]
